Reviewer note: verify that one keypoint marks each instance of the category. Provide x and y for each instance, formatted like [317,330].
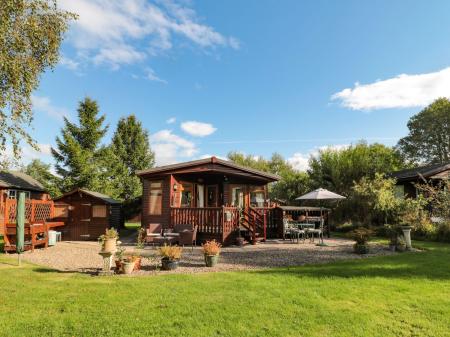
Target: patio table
[305,225]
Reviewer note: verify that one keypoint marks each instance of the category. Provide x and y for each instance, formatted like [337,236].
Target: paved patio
[83,256]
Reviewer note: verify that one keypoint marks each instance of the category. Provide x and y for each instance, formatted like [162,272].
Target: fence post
[265,224]
[33,205]
[254,229]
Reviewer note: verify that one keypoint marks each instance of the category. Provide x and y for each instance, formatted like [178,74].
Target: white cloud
[198,129]
[68,63]
[300,161]
[122,32]
[151,75]
[171,120]
[44,104]
[402,91]
[170,148]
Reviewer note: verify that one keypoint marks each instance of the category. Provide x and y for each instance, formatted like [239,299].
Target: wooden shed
[87,214]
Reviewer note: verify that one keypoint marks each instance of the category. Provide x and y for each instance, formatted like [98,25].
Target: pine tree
[78,155]
[129,151]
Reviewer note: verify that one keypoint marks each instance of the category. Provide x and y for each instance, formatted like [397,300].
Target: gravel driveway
[83,256]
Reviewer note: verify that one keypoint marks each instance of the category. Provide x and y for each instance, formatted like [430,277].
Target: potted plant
[239,238]
[401,244]
[119,259]
[170,256]
[211,249]
[137,262]
[108,240]
[128,265]
[361,237]
[392,232]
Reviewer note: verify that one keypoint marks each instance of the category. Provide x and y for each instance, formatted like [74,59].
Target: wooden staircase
[255,223]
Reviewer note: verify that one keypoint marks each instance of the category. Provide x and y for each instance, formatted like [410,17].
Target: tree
[41,172]
[129,151]
[429,134]
[292,184]
[31,32]
[78,155]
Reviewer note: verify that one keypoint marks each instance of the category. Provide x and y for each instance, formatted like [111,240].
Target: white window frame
[16,194]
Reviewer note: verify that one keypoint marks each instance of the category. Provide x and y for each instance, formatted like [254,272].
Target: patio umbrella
[20,225]
[321,194]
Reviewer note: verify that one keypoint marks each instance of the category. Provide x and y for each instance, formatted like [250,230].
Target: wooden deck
[222,223]
[38,221]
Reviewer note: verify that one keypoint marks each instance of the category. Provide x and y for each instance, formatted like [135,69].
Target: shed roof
[20,180]
[167,169]
[421,171]
[97,195]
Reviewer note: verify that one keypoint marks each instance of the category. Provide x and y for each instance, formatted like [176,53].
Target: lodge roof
[167,169]
[107,199]
[426,171]
[20,180]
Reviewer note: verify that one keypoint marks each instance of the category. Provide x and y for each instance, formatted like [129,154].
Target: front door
[79,219]
[211,196]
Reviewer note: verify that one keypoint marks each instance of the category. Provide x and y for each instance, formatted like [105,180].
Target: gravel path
[83,256]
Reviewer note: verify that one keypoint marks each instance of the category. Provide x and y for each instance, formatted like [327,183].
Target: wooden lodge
[212,194]
[87,214]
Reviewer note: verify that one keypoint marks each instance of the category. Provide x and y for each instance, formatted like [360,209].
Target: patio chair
[187,234]
[292,231]
[316,231]
[153,232]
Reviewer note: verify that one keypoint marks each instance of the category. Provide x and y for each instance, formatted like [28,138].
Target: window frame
[104,208]
[160,194]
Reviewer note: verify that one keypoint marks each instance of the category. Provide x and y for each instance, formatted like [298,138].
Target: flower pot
[110,245]
[211,260]
[401,248]
[167,264]
[361,248]
[119,266]
[137,263]
[240,241]
[392,247]
[128,267]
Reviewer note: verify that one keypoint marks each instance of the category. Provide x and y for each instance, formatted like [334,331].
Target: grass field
[403,295]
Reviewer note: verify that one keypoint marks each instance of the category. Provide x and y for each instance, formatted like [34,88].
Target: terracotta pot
[137,263]
[128,267]
[118,266]
[110,245]
[211,260]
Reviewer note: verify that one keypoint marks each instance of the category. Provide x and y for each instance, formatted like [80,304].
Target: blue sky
[209,77]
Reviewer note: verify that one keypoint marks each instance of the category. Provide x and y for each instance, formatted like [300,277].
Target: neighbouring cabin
[11,183]
[213,194]
[408,179]
[87,214]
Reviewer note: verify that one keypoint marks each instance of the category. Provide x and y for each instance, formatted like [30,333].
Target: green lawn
[403,295]
[132,225]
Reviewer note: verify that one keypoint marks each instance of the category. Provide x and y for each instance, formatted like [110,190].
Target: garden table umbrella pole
[20,226]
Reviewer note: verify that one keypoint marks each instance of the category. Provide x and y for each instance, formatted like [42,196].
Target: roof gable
[20,180]
[208,164]
[96,195]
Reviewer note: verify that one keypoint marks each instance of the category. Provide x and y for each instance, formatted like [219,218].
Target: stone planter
[167,264]
[407,235]
[127,267]
[211,260]
[240,241]
[110,245]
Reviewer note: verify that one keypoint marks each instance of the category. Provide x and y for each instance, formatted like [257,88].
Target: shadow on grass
[433,265]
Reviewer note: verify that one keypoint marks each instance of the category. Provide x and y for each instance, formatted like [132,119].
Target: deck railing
[221,223]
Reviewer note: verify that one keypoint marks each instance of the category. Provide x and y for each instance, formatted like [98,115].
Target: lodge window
[99,211]
[14,194]
[155,190]
[237,197]
[61,211]
[399,191]
[257,197]
[186,195]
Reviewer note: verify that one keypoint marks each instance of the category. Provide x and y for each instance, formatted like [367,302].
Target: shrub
[443,232]
[346,227]
[211,247]
[170,252]
[142,233]
[361,235]
[425,230]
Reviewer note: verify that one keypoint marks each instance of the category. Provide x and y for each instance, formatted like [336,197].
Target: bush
[361,235]
[425,230]
[171,253]
[443,232]
[347,227]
